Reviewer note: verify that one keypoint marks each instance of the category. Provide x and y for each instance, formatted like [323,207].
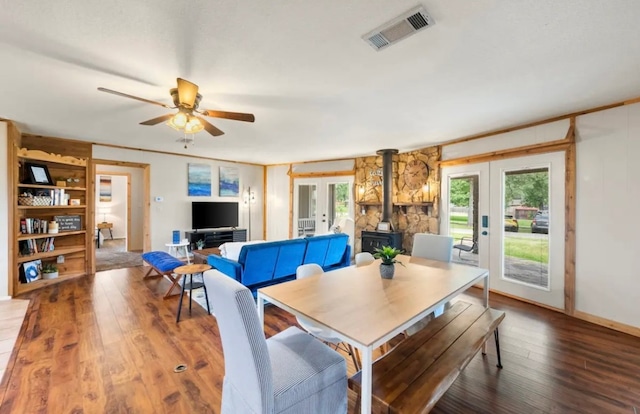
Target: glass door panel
[305,208]
[465,201]
[526,231]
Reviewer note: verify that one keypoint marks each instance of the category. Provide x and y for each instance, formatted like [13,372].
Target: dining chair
[324,334]
[364,258]
[291,372]
[434,247]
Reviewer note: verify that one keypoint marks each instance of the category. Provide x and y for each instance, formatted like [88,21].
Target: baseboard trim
[587,317]
[541,305]
[5,298]
[608,323]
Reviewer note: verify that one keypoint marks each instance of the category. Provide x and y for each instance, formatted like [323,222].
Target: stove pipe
[387,182]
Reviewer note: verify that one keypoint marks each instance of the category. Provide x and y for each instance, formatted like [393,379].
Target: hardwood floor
[109,343]
[12,314]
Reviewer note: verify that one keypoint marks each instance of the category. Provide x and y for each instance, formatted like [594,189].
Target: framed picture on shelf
[32,270]
[37,174]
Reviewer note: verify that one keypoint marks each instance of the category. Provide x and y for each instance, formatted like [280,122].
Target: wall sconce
[426,190]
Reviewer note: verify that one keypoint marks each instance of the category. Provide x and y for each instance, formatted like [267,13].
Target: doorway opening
[121,214]
[323,204]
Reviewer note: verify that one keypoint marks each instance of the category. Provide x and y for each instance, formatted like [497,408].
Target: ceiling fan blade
[210,128]
[187,92]
[157,120]
[236,116]
[124,95]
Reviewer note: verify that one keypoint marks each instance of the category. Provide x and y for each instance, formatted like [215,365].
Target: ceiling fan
[186,100]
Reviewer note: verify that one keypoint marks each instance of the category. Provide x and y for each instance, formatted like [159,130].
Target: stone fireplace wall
[409,219]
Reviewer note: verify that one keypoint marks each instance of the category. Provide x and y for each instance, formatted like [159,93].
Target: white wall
[607,223]
[277,202]
[169,181]
[5,187]
[520,138]
[137,203]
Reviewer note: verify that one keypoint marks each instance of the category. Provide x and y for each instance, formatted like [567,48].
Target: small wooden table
[103,225]
[200,256]
[189,271]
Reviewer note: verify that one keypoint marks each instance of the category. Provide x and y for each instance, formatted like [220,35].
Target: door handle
[484,233]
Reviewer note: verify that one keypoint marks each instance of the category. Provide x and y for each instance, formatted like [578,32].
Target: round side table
[188,271]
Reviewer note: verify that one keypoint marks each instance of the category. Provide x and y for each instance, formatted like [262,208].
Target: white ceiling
[317,90]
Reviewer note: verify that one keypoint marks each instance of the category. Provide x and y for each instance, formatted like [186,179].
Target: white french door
[517,221]
[467,221]
[319,202]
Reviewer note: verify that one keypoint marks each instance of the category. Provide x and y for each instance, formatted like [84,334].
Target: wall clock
[416,174]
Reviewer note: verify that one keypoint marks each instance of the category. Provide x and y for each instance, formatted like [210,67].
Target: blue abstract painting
[199,180]
[229,182]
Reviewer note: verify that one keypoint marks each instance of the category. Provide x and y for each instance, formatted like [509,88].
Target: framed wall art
[229,182]
[199,180]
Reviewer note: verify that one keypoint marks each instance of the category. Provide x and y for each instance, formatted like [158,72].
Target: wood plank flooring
[12,314]
[108,344]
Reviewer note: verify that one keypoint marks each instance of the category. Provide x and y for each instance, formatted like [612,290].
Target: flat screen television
[213,214]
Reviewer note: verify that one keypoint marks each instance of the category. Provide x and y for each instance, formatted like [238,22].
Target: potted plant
[387,255]
[200,244]
[49,271]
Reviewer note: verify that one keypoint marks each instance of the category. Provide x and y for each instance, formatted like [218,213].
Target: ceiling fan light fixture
[178,121]
[193,125]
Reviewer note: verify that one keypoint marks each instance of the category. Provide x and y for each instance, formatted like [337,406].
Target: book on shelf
[34,226]
[33,246]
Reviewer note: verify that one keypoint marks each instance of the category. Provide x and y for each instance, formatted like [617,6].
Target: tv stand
[215,237]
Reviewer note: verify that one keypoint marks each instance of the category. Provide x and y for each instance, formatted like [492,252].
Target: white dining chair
[324,334]
[290,372]
[433,247]
[364,259]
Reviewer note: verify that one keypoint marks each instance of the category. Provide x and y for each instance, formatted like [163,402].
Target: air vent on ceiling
[399,28]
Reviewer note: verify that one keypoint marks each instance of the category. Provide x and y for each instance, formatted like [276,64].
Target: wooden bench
[163,264]
[413,376]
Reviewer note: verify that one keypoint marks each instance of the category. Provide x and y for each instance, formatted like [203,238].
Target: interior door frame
[146,208]
[128,175]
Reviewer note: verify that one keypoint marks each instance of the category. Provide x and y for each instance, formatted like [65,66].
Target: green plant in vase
[49,271]
[200,244]
[387,256]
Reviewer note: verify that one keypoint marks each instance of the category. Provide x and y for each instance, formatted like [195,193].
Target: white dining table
[366,310]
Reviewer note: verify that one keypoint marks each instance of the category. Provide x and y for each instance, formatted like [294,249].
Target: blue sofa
[265,264]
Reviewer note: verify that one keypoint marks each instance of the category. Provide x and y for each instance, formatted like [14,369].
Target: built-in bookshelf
[50,219]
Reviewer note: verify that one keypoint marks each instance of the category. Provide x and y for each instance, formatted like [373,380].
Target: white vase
[52,275]
[387,270]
